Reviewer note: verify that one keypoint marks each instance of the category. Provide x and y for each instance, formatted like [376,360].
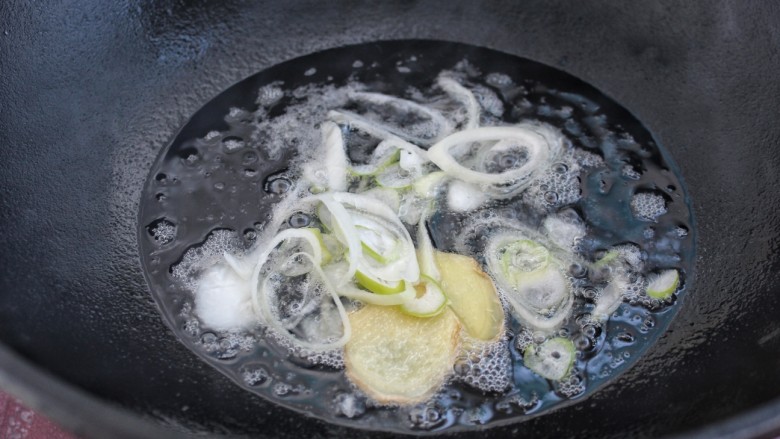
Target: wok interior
[92,93]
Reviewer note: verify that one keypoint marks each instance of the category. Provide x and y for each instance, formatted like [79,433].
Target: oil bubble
[232,143]
[589,293]
[255,375]
[192,327]
[209,341]
[249,157]
[578,271]
[250,235]
[583,343]
[282,389]
[426,417]
[162,231]
[571,387]
[560,168]
[625,338]
[349,405]
[589,331]
[629,172]
[477,415]
[648,206]
[681,231]
[278,185]
[299,219]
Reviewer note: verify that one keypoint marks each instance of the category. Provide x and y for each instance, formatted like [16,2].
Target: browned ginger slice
[400,359]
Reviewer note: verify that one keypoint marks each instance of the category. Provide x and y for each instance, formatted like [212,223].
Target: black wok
[91,91]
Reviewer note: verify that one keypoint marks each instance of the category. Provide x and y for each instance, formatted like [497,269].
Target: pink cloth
[19,422]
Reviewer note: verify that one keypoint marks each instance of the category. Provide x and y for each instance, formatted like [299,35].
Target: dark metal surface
[90,91]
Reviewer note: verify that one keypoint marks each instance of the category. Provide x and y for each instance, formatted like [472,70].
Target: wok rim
[72,408]
[82,413]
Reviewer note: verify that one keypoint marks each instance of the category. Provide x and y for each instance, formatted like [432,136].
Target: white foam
[632,255]
[206,255]
[628,171]
[164,232]
[565,231]
[587,159]
[499,80]
[333,358]
[255,376]
[223,299]
[269,94]
[557,186]
[523,339]
[488,100]
[485,366]
[233,144]
[636,293]
[349,405]
[648,205]
[464,197]
[571,386]
[297,127]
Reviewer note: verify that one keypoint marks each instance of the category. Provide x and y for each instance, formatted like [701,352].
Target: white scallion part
[336,162]
[264,253]
[274,322]
[384,155]
[543,144]
[223,299]
[465,197]
[340,222]
[406,106]
[412,162]
[411,157]
[425,250]
[306,235]
[611,296]
[376,218]
[411,208]
[388,196]
[465,97]
[395,177]
[361,123]
[428,185]
[430,303]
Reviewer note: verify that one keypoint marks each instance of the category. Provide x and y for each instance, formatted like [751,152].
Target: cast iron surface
[91,91]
